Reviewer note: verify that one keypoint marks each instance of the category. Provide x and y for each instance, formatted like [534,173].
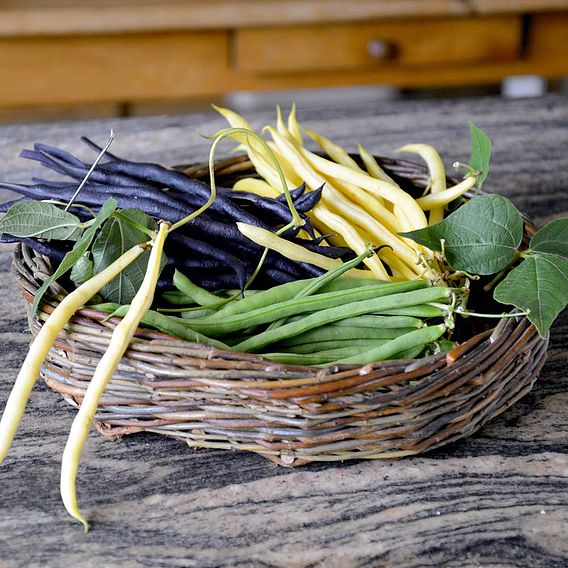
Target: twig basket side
[292,415]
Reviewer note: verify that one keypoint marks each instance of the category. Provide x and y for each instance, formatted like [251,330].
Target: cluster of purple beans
[210,249]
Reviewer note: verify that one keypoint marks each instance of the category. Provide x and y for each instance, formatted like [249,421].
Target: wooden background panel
[78,69]
[427,76]
[412,42]
[43,17]
[548,37]
[506,6]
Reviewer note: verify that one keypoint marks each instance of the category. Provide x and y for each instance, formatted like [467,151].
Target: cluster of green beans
[332,319]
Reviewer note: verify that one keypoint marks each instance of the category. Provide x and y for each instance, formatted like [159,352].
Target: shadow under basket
[292,415]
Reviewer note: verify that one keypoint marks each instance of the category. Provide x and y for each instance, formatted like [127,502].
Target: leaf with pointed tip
[552,238]
[115,238]
[77,251]
[82,270]
[481,237]
[41,220]
[480,152]
[539,284]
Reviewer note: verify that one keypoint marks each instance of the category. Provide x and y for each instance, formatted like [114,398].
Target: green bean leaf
[78,250]
[552,238]
[82,270]
[538,284]
[480,152]
[115,238]
[41,220]
[481,237]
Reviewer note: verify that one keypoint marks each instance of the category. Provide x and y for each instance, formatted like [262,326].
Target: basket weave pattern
[292,415]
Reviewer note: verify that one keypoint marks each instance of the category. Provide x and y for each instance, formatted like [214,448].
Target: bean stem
[91,169]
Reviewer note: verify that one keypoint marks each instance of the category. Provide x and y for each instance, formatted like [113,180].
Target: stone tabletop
[499,498]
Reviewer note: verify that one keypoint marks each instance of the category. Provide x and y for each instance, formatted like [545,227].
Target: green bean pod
[418,311]
[161,322]
[327,278]
[384,322]
[416,338]
[339,333]
[322,358]
[284,292]
[198,295]
[218,325]
[324,316]
[355,345]
[411,353]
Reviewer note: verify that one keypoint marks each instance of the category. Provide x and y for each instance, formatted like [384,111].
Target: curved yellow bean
[258,186]
[373,166]
[333,199]
[368,201]
[375,186]
[393,222]
[437,174]
[256,154]
[41,345]
[119,342]
[293,125]
[334,151]
[434,200]
[293,251]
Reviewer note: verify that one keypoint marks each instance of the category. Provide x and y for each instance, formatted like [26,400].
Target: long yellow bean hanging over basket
[358,205]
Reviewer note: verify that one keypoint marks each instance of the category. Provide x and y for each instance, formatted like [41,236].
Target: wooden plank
[175,66]
[516,6]
[407,43]
[89,17]
[547,37]
[79,69]
[409,77]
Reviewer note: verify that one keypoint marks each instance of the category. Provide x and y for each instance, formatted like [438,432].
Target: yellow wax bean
[437,174]
[256,153]
[388,191]
[355,242]
[235,120]
[373,166]
[293,251]
[434,200]
[333,150]
[376,171]
[369,202]
[334,200]
[258,186]
[399,268]
[43,342]
[293,125]
[119,342]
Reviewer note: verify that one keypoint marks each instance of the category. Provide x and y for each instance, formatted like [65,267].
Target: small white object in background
[249,101]
[523,86]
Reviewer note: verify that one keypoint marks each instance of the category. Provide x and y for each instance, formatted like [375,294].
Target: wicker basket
[292,415]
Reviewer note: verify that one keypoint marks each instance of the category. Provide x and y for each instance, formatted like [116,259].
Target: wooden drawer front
[77,69]
[547,38]
[356,46]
